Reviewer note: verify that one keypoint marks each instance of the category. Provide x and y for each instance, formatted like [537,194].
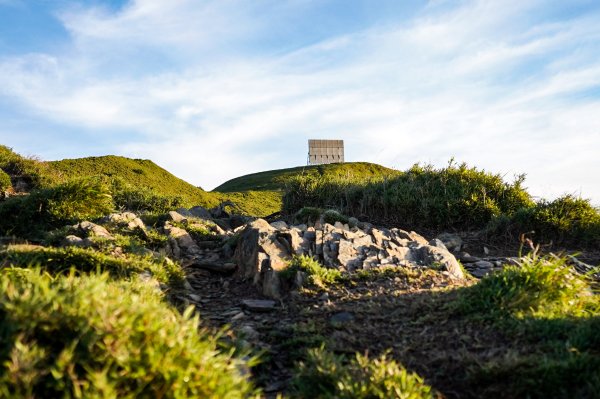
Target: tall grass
[32,215]
[423,196]
[88,337]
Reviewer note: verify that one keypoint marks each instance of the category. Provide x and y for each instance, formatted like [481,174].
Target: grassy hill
[275,180]
[136,172]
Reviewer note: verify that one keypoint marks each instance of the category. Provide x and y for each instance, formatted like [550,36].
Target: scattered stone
[126,220]
[483,264]
[280,225]
[90,229]
[176,217]
[259,305]
[72,241]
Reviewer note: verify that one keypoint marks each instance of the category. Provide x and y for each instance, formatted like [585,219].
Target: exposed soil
[399,311]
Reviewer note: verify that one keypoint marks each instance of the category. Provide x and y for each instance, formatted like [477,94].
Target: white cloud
[484,82]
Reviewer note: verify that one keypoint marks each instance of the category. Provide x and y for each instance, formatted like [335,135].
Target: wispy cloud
[493,83]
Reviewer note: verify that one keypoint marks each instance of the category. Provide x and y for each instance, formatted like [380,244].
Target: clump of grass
[316,274]
[91,337]
[62,260]
[567,220]
[5,183]
[43,210]
[307,215]
[537,287]
[198,231]
[325,375]
[137,199]
[27,173]
[332,216]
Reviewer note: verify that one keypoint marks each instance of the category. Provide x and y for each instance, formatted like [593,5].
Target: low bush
[537,287]
[29,172]
[144,200]
[61,260]
[5,183]
[567,220]
[325,375]
[423,196]
[315,272]
[43,210]
[80,337]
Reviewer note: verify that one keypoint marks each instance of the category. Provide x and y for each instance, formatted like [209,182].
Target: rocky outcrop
[264,249]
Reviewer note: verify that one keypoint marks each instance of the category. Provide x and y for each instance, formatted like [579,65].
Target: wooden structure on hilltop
[325,151]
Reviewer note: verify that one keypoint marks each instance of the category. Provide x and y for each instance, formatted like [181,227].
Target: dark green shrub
[89,337]
[5,183]
[61,260]
[455,196]
[332,216]
[43,210]
[566,220]
[29,172]
[325,375]
[307,215]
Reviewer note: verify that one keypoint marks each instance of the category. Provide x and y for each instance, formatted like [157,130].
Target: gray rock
[483,264]
[453,242]
[466,258]
[90,229]
[185,242]
[279,225]
[438,243]
[200,212]
[259,305]
[176,217]
[73,241]
[434,256]
[127,220]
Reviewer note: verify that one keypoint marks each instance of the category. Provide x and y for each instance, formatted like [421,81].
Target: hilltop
[136,172]
[275,180]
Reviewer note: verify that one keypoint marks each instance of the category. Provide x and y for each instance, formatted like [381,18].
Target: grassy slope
[137,172]
[274,180]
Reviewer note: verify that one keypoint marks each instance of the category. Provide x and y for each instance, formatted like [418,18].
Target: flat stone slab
[259,305]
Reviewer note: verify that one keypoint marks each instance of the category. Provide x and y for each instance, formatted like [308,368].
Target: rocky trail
[392,297]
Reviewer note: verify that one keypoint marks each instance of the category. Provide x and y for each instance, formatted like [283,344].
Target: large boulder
[182,244]
[260,254]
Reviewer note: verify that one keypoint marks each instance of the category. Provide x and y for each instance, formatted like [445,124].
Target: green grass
[83,337]
[274,180]
[63,260]
[134,173]
[554,314]
[46,209]
[325,375]
[25,173]
[543,287]
[5,182]
[316,274]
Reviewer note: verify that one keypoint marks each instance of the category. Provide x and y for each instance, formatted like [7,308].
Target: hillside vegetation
[135,184]
[274,180]
[454,197]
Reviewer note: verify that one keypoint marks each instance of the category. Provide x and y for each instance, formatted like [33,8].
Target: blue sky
[211,90]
